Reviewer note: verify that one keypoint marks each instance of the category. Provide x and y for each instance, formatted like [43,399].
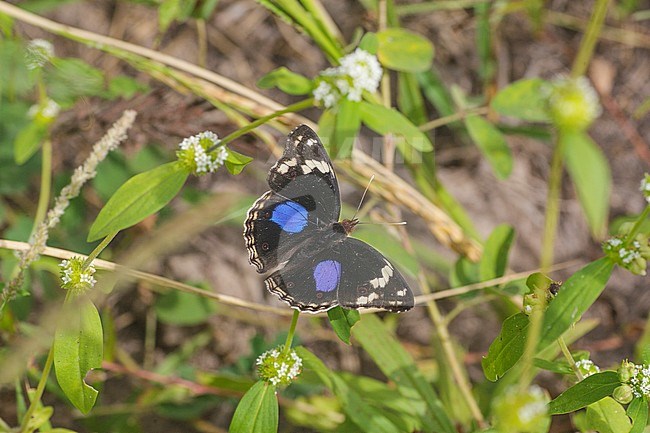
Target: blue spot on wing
[327,275]
[290,216]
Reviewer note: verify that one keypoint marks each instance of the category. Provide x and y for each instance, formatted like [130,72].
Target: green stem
[39,391]
[552,206]
[442,121]
[292,330]
[590,39]
[637,225]
[46,183]
[300,105]
[569,358]
[98,249]
[534,329]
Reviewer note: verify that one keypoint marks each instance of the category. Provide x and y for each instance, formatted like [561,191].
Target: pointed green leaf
[139,197]
[348,122]
[576,296]
[78,348]
[369,43]
[491,143]
[402,50]
[342,321]
[287,81]
[235,162]
[495,253]
[409,98]
[523,99]
[608,416]
[591,177]
[396,363]
[638,413]
[71,79]
[385,120]
[28,141]
[589,390]
[507,348]
[257,411]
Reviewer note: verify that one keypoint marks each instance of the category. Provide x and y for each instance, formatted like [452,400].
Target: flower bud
[623,394]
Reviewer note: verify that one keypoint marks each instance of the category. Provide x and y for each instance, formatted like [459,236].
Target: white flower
[277,368]
[46,111]
[587,367]
[359,71]
[39,52]
[363,68]
[645,187]
[75,277]
[640,381]
[194,154]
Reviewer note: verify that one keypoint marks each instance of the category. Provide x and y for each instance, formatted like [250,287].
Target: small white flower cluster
[358,71]
[46,111]
[645,187]
[279,369]
[75,277]
[535,407]
[633,257]
[640,381]
[193,152]
[39,52]
[587,367]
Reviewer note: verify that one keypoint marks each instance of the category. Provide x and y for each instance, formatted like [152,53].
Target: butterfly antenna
[401,223]
[363,196]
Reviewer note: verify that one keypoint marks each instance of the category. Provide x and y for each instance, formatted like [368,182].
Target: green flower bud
[625,371]
[623,394]
[573,103]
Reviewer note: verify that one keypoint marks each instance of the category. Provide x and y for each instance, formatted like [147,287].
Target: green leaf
[559,367]
[348,122]
[523,99]
[137,198]
[507,348]
[495,253]
[396,363]
[492,144]
[361,414]
[385,120]
[168,11]
[576,296]
[402,50]
[71,79]
[78,348]
[638,413]
[287,81]
[235,162]
[124,87]
[257,412]
[591,176]
[608,416]
[589,390]
[369,43]
[342,321]
[409,98]
[182,308]
[28,141]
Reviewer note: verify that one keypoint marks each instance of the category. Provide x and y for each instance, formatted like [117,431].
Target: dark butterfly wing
[304,197]
[351,274]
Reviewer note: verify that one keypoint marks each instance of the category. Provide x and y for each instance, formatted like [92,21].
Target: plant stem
[39,391]
[569,358]
[301,105]
[98,249]
[637,225]
[588,43]
[46,183]
[442,121]
[292,330]
[552,205]
[534,329]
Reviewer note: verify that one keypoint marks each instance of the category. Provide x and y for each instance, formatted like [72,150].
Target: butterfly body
[294,229]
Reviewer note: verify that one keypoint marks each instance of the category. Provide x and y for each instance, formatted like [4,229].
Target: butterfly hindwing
[349,273]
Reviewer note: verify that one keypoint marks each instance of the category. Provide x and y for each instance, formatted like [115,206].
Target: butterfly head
[346,226]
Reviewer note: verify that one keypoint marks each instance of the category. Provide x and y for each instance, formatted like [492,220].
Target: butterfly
[294,230]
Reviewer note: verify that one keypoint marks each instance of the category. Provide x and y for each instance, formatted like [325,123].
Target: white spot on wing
[305,169]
